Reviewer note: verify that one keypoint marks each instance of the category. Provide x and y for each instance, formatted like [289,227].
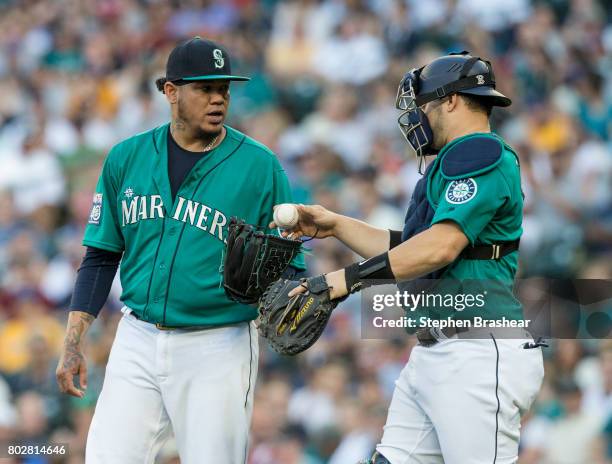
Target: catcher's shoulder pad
[471,156]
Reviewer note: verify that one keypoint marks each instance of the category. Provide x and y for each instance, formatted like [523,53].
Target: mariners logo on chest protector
[461,191]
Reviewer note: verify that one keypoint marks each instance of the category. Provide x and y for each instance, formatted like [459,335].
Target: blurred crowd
[77,76]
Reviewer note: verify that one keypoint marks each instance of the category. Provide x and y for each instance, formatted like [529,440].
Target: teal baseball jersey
[475,182]
[173,250]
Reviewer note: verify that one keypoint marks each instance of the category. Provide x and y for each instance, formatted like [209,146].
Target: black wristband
[395,238]
[351,278]
[376,268]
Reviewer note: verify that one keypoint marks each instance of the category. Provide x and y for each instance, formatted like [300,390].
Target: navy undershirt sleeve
[94,280]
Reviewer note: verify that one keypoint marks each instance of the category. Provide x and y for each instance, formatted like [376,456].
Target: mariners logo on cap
[461,191]
[218,55]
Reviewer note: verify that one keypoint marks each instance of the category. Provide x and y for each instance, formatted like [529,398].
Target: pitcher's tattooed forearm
[78,323]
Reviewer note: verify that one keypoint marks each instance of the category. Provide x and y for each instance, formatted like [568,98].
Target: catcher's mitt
[253,260]
[292,325]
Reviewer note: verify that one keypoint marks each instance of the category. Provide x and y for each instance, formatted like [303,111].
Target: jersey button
[172,231]
[162,266]
[156,299]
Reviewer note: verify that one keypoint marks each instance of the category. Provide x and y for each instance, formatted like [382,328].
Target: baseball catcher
[461,395]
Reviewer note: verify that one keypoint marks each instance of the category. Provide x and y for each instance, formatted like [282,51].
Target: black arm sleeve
[94,280]
[395,238]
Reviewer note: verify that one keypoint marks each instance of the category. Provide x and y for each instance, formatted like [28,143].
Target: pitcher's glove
[292,324]
[253,260]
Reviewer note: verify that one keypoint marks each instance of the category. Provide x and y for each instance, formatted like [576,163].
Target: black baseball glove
[292,325]
[253,260]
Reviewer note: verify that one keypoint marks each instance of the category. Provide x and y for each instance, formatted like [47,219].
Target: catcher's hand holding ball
[304,220]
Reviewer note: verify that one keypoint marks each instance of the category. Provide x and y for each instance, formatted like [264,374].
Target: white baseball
[286,215]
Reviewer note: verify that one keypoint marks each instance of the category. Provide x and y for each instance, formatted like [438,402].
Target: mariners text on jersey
[195,214]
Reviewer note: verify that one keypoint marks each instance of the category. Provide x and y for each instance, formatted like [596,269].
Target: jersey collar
[220,153]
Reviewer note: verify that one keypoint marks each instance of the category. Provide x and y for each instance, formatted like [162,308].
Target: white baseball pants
[460,401]
[198,384]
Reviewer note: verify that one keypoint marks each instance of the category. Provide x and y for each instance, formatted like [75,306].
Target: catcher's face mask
[413,121]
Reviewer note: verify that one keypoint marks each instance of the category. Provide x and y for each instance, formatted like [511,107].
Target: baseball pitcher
[185,356]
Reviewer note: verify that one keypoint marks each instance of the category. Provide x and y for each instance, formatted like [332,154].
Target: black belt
[491,251]
[427,336]
[159,326]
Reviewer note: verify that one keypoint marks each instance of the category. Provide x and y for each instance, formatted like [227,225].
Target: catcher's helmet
[458,73]
[454,73]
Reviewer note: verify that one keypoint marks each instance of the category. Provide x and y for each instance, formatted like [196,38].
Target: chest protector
[418,218]
[420,213]
[467,157]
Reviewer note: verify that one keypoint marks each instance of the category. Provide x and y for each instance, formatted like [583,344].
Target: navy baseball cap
[200,60]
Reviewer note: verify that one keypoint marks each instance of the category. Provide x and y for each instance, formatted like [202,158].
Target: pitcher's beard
[204,136]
